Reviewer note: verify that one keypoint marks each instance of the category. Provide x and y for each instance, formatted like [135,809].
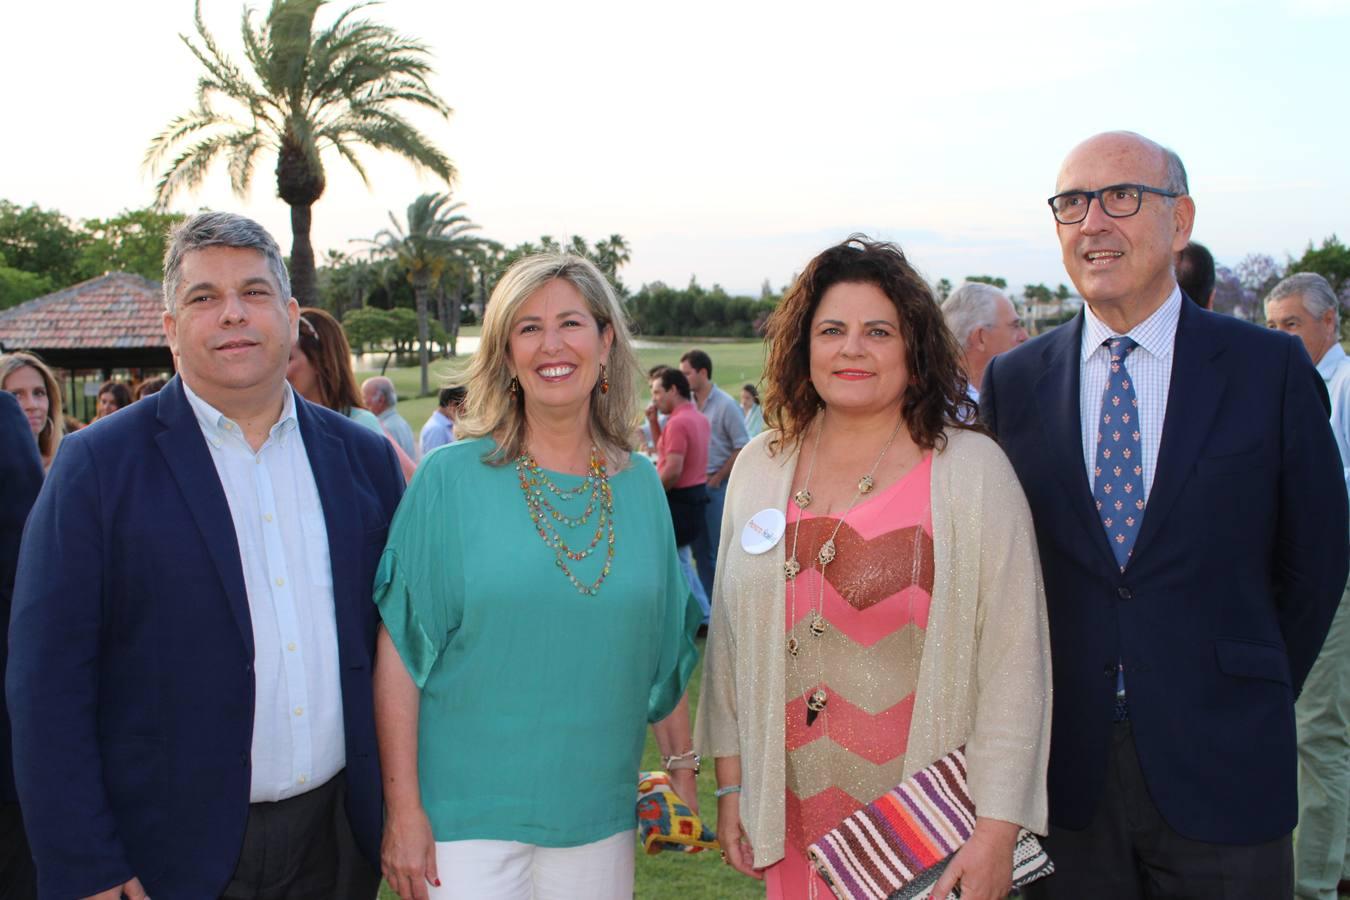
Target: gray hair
[384,387]
[219,229]
[1315,292]
[972,305]
[1175,180]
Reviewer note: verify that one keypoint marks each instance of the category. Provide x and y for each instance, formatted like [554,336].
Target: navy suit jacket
[1235,576]
[131,672]
[20,481]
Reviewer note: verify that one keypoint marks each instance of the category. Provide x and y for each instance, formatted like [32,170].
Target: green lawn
[666,876]
[682,876]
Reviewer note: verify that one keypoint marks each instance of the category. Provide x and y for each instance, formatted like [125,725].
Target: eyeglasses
[1119,201]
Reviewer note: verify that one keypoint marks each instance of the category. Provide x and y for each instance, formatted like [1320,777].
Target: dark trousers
[302,848]
[1130,853]
[18,877]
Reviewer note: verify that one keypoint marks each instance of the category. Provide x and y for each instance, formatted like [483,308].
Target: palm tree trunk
[420,288]
[303,276]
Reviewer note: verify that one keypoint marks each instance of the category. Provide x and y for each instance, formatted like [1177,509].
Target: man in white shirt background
[1305,305]
[985,324]
[380,397]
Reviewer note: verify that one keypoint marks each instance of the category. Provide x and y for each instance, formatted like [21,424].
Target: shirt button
[267,517]
[299,710]
[301,780]
[1124,593]
[291,646]
[257,460]
[281,582]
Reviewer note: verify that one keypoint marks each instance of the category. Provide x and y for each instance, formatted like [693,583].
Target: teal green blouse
[534,697]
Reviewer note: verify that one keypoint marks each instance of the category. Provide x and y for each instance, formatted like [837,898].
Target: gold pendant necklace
[546,517]
[820,698]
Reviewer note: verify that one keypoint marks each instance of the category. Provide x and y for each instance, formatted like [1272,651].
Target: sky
[731,141]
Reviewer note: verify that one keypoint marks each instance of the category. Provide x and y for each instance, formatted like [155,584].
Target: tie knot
[1120,347]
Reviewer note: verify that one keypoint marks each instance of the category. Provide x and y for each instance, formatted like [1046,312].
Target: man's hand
[983,867]
[132,890]
[716,479]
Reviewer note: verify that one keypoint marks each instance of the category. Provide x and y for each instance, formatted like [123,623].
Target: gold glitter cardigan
[984,680]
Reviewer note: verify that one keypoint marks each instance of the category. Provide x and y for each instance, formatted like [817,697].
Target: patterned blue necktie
[1118,475]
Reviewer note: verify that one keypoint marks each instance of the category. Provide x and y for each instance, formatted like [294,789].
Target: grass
[734,363]
[666,876]
[681,876]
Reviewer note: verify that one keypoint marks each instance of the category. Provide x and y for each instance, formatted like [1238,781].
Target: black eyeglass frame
[1097,195]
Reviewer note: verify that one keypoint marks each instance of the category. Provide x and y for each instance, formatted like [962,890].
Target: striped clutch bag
[896,847]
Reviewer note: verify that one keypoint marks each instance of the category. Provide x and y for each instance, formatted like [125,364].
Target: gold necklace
[816,703]
[546,517]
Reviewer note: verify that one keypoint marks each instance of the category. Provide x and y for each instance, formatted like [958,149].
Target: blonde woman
[535,615]
[39,395]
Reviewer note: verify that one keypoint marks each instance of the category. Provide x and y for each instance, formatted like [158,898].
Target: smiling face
[29,388]
[1122,263]
[556,348]
[858,358]
[231,329]
[107,404]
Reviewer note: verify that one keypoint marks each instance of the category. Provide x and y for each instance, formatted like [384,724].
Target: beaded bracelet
[729,789]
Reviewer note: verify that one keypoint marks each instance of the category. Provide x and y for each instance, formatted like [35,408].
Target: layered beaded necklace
[816,703]
[534,481]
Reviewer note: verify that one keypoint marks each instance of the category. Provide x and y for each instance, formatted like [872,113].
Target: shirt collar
[1330,362]
[1156,334]
[389,413]
[216,426]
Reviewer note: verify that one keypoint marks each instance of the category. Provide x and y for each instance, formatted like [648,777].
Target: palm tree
[435,234]
[309,91]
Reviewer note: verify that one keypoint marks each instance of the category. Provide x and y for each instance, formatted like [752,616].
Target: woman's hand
[983,866]
[408,854]
[685,784]
[736,849]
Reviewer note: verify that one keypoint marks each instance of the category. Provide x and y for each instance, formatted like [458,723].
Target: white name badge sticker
[763,532]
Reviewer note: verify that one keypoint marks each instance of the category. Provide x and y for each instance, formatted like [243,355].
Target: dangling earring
[515,385]
[604,380]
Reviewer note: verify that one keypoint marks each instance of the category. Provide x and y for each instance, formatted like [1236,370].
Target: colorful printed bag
[897,846]
[665,822]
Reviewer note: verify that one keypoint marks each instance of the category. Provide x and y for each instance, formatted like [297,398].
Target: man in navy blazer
[1192,537]
[20,480]
[192,633]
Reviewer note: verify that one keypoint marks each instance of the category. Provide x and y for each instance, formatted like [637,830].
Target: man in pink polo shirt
[682,462]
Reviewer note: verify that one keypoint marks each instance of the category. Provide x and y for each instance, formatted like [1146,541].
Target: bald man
[380,397]
[1191,520]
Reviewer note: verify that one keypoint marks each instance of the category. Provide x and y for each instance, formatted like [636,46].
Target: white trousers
[507,870]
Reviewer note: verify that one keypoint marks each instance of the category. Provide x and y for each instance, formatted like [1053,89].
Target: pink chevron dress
[875,600]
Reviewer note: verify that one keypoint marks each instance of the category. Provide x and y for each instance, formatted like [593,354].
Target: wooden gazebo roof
[110,322]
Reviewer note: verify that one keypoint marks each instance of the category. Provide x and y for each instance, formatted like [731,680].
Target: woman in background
[112,396]
[39,395]
[754,413]
[320,370]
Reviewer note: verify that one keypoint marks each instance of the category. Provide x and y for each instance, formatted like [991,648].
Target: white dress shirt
[1334,367]
[1150,368]
[298,737]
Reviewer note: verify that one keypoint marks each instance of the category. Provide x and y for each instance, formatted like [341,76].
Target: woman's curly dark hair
[935,397]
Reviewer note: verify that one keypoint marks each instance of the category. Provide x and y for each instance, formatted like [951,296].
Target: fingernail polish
[437,882]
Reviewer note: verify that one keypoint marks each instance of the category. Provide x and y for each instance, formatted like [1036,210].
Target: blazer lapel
[1192,402]
[1057,393]
[341,512]
[188,459]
